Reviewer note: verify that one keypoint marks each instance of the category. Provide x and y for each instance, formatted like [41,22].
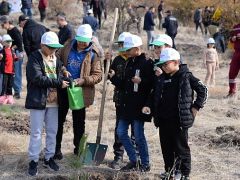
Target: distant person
[66,32]
[27,8]
[7,58]
[171,25]
[44,79]
[32,33]
[198,19]
[210,62]
[42,6]
[134,17]
[149,25]
[98,7]
[160,13]
[206,19]
[5,8]
[86,6]
[220,42]
[235,63]
[17,45]
[92,21]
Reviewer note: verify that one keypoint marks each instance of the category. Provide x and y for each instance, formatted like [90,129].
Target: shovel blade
[95,153]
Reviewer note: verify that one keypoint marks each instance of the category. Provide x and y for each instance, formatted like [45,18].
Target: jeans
[17,84]
[27,12]
[140,139]
[150,37]
[49,116]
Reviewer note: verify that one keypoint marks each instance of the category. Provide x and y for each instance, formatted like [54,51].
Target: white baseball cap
[90,11]
[51,39]
[6,37]
[84,33]
[131,42]
[168,54]
[211,41]
[122,37]
[162,39]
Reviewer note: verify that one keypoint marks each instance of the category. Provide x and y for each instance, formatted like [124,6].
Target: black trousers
[173,39]
[175,149]
[7,84]
[78,117]
[43,14]
[98,14]
[199,24]
[118,148]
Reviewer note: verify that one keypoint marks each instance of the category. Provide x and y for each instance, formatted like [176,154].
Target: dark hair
[151,7]
[61,14]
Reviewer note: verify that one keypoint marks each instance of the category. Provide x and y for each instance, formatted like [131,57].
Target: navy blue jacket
[171,25]
[26,4]
[65,33]
[148,21]
[92,21]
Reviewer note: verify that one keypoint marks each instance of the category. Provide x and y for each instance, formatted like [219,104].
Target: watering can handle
[99,130]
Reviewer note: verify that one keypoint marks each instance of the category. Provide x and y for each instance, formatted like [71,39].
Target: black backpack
[4,8]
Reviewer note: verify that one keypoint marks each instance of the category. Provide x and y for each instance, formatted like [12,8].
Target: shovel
[96,152]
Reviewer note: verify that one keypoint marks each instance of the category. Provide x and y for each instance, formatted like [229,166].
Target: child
[136,84]
[43,79]
[7,57]
[174,110]
[210,62]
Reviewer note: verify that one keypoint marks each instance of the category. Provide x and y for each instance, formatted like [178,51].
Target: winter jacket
[148,21]
[207,17]
[43,4]
[91,70]
[32,33]
[17,38]
[92,21]
[187,85]
[171,25]
[3,61]
[197,16]
[26,4]
[66,33]
[130,107]
[100,7]
[219,42]
[38,82]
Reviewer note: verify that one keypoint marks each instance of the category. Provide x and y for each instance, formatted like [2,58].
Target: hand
[1,56]
[158,71]
[65,84]
[79,81]
[194,111]
[146,110]
[112,73]
[66,74]
[136,79]
[234,38]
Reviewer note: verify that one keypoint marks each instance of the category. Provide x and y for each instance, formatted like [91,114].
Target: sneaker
[3,99]
[10,99]
[129,167]
[50,164]
[145,168]
[185,178]
[58,155]
[177,175]
[17,95]
[230,95]
[116,164]
[166,176]
[32,170]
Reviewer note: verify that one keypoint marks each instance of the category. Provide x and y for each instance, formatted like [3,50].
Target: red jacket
[43,4]
[236,30]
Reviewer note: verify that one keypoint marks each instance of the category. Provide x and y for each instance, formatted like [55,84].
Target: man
[235,63]
[5,8]
[92,21]
[98,6]
[15,34]
[171,25]
[82,61]
[42,6]
[27,8]
[198,19]
[160,13]
[85,6]
[149,25]
[32,33]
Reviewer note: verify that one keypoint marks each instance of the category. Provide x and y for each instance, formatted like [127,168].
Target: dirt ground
[214,139]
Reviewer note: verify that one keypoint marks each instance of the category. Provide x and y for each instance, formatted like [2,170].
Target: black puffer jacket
[171,25]
[38,82]
[32,33]
[131,104]
[187,85]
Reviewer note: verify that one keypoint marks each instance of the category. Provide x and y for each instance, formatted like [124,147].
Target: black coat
[100,8]
[38,82]
[131,104]
[171,25]
[65,33]
[26,4]
[148,21]
[187,85]
[17,38]
[32,33]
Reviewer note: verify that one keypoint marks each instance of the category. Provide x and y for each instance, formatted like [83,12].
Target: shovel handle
[99,130]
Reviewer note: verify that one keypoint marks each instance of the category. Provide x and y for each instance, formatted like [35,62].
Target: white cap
[168,54]
[90,11]
[51,39]
[122,36]
[211,41]
[131,42]
[84,33]
[162,39]
[6,37]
